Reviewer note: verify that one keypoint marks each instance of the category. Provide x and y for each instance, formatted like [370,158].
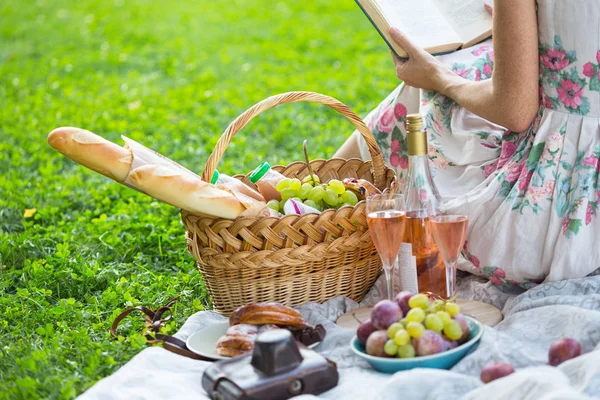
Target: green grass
[171,75]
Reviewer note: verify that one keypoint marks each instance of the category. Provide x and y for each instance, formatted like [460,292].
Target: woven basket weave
[292,259]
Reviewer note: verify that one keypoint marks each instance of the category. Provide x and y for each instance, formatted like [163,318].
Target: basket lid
[259,172]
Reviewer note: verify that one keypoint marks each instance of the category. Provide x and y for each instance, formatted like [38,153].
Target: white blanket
[533,321]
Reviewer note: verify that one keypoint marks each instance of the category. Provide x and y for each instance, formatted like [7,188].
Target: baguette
[92,151]
[185,191]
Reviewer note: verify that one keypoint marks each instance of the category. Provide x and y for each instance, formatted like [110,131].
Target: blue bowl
[445,360]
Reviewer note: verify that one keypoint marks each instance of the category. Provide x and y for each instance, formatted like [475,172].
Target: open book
[438,26]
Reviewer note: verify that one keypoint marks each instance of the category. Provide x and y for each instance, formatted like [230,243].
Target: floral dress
[533,196]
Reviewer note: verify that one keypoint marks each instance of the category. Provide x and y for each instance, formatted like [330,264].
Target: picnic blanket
[533,320]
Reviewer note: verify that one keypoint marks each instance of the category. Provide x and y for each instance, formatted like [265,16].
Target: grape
[402,300]
[304,190]
[282,184]
[415,329]
[464,325]
[415,315]
[452,330]
[385,313]
[310,203]
[390,348]
[433,322]
[452,309]
[403,321]
[337,186]
[330,197]
[419,301]
[295,184]
[364,330]
[563,350]
[288,193]
[320,205]
[436,306]
[406,351]
[308,179]
[376,344]
[402,337]
[273,205]
[428,343]
[393,328]
[349,197]
[444,316]
[316,194]
[495,370]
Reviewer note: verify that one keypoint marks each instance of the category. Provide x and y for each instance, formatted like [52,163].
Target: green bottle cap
[215,177]
[259,172]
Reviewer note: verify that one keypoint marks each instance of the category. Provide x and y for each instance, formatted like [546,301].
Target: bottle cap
[259,172]
[416,135]
[414,122]
[215,177]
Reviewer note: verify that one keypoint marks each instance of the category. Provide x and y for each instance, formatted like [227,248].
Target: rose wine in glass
[449,233]
[386,218]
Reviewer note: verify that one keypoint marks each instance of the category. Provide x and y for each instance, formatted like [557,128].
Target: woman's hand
[421,70]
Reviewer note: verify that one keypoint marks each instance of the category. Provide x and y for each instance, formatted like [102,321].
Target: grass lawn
[172,75]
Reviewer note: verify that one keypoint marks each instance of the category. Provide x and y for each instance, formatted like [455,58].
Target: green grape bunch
[331,195]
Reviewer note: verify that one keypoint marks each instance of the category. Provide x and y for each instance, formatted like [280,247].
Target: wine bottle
[421,268]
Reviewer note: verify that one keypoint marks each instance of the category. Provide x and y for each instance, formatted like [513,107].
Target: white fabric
[533,320]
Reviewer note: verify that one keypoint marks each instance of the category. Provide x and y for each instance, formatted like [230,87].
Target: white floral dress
[533,197]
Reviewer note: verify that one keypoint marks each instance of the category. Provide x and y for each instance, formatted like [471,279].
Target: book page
[420,20]
[468,18]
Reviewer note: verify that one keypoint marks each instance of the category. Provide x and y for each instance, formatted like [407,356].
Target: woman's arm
[511,97]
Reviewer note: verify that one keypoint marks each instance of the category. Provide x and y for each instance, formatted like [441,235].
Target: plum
[464,324]
[402,300]
[495,370]
[429,343]
[385,313]
[563,350]
[449,344]
[364,330]
[376,344]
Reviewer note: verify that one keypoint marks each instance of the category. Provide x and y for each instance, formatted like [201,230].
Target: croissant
[268,313]
[239,339]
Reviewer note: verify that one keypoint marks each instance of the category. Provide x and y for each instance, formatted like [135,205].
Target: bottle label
[407,268]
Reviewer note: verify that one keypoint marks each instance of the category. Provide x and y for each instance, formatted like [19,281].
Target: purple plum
[429,343]
[563,350]
[402,300]
[464,324]
[495,370]
[385,313]
[364,331]
[376,344]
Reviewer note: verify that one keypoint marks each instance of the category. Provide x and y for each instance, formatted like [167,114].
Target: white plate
[204,341]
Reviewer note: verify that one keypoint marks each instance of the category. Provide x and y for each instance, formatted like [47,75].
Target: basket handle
[292,97]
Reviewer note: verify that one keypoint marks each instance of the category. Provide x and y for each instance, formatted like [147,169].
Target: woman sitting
[514,127]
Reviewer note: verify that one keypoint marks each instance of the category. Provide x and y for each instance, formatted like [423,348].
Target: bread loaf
[92,151]
[186,191]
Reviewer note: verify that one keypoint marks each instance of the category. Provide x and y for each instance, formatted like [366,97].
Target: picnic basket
[292,259]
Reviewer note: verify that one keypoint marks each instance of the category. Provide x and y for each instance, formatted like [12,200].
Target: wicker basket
[292,259]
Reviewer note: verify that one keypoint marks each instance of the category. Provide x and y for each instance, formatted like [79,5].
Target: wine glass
[386,217]
[449,228]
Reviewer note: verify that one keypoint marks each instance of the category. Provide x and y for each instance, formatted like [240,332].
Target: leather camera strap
[154,320]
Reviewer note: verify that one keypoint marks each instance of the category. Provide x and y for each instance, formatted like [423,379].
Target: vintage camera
[278,368]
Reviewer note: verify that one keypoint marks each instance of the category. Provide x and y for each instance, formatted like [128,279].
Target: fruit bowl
[444,360]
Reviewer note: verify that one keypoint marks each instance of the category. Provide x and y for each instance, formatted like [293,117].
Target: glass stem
[389,280]
[450,279]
